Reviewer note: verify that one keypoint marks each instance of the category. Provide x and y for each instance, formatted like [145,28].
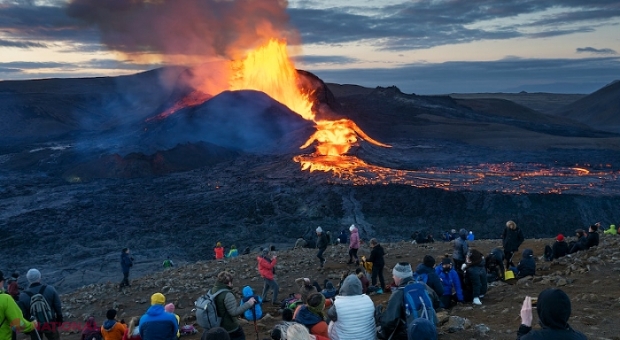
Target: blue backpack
[256,312]
[418,303]
[423,278]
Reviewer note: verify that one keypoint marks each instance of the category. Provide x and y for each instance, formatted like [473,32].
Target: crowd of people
[333,311]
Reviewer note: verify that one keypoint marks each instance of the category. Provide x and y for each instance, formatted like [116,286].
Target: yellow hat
[158,299]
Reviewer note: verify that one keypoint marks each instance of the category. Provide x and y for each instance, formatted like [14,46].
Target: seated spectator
[494,263]
[476,275]
[215,333]
[133,330]
[299,332]
[432,279]
[452,292]
[592,238]
[329,291]
[279,330]
[611,230]
[169,308]
[91,330]
[311,315]
[580,244]
[527,265]
[365,282]
[553,309]
[233,252]
[559,249]
[112,329]
[353,314]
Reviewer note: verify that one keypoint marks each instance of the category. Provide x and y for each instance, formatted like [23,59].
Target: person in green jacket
[11,315]
[227,306]
[611,230]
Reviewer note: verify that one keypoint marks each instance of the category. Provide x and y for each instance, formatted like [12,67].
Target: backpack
[206,310]
[39,308]
[291,302]
[418,303]
[188,330]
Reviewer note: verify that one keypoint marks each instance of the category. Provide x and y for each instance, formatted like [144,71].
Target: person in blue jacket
[452,292]
[156,323]
[256,312]
[470,236]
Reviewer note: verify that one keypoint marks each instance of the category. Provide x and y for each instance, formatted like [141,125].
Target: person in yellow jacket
[611,230]
[11,315]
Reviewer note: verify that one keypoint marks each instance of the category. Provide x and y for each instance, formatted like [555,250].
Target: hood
[527,254]
[553,308]
[247,291]
[423,269]
[306,317]
[463,234]
[351,286]
[155,310]
[91,323]
[422,329]
[109,324]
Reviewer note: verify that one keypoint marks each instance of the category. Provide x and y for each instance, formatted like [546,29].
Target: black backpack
[39,307]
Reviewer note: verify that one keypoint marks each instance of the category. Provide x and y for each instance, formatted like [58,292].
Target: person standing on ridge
[354,245]
[266,268]
[126,264]
[376,258]
[512,237]
[321,244]
[219,251]
[461,249]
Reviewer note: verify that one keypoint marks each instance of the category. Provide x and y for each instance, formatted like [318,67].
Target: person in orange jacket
[219,251]
[112,329]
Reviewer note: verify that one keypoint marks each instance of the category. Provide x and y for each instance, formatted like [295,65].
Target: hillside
[589,278]
[541,102]
[599,110]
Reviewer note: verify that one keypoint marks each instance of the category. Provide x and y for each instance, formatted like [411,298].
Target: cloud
[20,44]
[584,75]
[596,50]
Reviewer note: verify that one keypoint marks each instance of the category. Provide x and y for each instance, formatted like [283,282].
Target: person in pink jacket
[266,269]
[354,245]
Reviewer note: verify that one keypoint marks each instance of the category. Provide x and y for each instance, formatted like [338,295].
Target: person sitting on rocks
[156,323]
[593,237]
[112,329]
[169,308]
[476,275]
[559,249]
[219,251]
[452,292]
[527,265]
[233,252]
[580,244]
[215,333]
[353,313]
[279,330]
[311,315]
[426,268]
[300,332]
[553,308]
[91,330]
[361,275]
[133,330]
[612,230]
[329,291]
[494,263]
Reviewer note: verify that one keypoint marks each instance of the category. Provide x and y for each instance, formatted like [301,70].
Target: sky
[422,47]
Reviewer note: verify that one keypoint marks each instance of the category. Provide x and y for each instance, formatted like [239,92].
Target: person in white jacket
[353,314]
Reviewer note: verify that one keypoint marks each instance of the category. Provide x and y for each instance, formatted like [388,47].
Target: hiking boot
[323,263]
[477,301]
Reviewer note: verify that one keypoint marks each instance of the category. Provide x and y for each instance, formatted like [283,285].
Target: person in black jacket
[512,237]
[494,263]
[51,330]
[559,249]
[527,265]
[592,239]
[376,258]
[321,243]
[553,308]
[433,281]
[580,244]
[126,264]
[476,275]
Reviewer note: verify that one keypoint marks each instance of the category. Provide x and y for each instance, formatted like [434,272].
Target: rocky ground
[590,278]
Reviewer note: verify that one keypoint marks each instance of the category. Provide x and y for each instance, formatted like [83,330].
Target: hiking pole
[255,325]
[32,318]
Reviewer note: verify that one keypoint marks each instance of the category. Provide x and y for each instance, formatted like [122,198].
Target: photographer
[553,308]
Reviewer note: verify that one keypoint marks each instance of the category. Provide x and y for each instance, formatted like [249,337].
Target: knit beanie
[446,260]
[352,227]
[33,275]
[429,261]
[316,303]
[319,230]
[169,308]
[475,256]
[560,237]
[110,314]
[158,299]
[402,270]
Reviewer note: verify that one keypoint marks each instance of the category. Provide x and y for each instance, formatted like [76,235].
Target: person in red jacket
[219,251]
[266,268]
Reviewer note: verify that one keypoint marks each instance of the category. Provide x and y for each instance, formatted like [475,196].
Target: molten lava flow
[270,70]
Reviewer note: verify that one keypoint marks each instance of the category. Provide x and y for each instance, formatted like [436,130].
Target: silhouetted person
[554,309]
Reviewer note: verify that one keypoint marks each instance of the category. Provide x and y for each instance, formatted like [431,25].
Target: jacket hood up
[553,309]
[351,286]
[527,254]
